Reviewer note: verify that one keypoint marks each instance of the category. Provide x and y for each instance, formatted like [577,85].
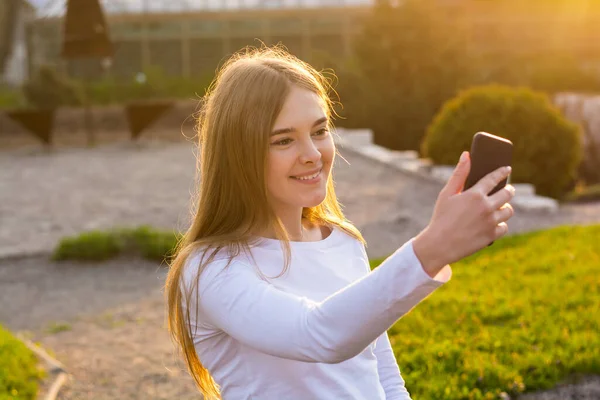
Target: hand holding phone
[488,153]
[472,209]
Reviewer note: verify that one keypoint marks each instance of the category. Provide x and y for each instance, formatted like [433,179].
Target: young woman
[270,295]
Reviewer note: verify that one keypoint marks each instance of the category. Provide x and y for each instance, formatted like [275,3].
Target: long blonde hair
[236,116]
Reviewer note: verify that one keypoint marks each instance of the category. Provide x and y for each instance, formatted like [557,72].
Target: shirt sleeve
[388,370]
[257,314]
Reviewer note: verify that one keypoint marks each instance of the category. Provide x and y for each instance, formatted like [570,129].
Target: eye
[282,142]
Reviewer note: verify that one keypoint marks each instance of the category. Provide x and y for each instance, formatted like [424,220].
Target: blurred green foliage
[547,147]
[11,97]
[93,245]
[516,317]
[99,245]
[155,85]
[57,327]
[19,371]
[584,194]
[50,89]
[409,65]
[153,244]
[410,59]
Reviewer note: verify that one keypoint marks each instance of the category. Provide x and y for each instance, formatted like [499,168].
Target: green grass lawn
[519,316]
[19,373]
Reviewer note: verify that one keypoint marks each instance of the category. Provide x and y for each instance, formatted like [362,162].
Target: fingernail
[463,157]
[508,169]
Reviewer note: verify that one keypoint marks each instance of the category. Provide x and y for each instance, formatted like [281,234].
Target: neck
[297,233]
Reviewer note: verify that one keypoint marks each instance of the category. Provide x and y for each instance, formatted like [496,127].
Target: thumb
[461,172]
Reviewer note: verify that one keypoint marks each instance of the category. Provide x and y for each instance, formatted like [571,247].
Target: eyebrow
[289,130]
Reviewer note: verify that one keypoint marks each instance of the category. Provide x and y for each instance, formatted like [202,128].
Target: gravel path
[124,353]
[116,345]
[35,292]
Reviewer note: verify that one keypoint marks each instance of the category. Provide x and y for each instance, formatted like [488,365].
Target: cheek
[279,166]
[328,151]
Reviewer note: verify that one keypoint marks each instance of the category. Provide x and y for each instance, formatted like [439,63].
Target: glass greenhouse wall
[190,38]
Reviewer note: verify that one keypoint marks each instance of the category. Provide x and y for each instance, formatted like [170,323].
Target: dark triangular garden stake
[38,122]
[141,114]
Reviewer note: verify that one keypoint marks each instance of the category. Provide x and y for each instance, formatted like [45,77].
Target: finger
[457,181]
[501,230]
[488,182]
[502,196]
[504,213]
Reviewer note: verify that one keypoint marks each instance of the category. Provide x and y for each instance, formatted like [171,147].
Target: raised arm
[338,328]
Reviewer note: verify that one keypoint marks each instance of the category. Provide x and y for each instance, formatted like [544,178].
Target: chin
[315,201]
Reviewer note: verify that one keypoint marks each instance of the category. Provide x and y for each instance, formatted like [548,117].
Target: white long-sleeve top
[317,332]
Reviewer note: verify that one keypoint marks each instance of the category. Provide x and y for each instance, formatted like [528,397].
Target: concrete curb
[55,367]
[346,146]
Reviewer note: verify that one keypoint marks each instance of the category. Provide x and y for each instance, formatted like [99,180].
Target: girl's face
[300,146]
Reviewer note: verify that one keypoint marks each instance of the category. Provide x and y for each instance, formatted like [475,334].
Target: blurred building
[191,37]
[14,17]
[186,40]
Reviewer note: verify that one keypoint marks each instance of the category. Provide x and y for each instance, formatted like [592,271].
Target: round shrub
[547,147]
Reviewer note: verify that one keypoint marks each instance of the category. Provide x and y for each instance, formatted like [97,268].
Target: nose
[309,152]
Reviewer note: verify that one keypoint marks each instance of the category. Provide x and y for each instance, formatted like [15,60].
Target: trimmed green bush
[97,245]
[547,147]
[89,246]
[519,316]
[154,244]
[19,371]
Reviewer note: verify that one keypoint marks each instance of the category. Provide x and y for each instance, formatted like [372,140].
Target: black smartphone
[488,153]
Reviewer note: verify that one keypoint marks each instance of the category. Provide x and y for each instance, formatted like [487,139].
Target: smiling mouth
[308,178]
